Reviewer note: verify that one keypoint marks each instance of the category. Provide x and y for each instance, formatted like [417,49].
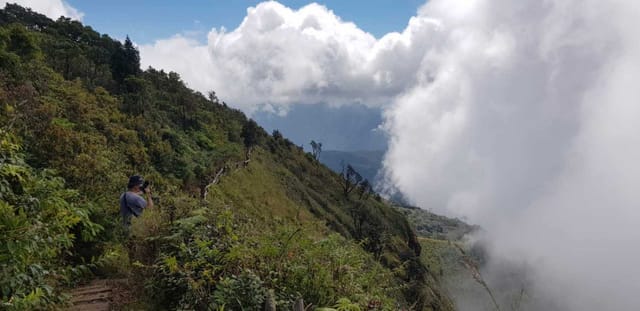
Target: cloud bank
[50,8]
[278,57]
[529,127]
[520,116]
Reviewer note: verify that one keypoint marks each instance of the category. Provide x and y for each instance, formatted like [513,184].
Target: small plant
[344,304]
[241,292]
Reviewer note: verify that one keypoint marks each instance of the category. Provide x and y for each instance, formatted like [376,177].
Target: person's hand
[148,190]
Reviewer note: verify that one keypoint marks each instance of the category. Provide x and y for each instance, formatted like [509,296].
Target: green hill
[242,219]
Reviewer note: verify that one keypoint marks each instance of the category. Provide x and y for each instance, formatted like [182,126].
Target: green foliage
[252,134]
[344,304]
[17,40]
[194,257]
[125,61]
[17,45]
[214,260]
[322,270]
[114,261]
[240,292]
[37,215]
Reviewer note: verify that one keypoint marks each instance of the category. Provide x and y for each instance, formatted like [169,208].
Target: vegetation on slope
[458,265]
[243,218]
[430,225]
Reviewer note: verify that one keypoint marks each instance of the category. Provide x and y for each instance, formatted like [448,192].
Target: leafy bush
[114,261]
[240,292]
[194,258]
[37,214]
[214,259]
[344,304]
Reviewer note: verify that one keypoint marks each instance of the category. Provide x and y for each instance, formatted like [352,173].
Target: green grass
[257,190]
[441,257]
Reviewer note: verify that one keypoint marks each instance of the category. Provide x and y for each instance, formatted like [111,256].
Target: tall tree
[125,61]
[277,135]
[211,95]
[136,95]
[132,56]
[250,135]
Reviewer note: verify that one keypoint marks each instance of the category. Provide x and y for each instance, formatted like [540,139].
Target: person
[132,203]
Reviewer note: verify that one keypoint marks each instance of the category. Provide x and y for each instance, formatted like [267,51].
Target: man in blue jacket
[132,202]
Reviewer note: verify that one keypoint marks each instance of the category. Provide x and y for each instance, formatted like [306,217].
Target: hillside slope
[367,163]
[243,219]
[434,226]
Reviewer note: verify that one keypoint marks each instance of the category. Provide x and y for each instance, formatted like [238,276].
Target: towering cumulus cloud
[528,125]
[521,116]
[279,56]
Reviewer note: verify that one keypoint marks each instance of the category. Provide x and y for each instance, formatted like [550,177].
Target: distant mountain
[366,162]
[348,127]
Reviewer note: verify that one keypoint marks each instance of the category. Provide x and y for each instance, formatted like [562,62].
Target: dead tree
[215,180]
[350,179]
[316,148]
[365,189]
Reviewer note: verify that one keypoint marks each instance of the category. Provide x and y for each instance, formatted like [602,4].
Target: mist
[525,121]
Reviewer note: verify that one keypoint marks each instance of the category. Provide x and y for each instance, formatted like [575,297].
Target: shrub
[37,215]
[215,259]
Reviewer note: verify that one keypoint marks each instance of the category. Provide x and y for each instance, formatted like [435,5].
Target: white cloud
[530,128]
[279,56]
[51,8]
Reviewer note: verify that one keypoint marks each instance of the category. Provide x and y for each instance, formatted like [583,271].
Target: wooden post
[270,301]
[298,305]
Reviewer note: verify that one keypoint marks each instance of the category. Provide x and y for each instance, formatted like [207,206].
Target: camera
[144,186]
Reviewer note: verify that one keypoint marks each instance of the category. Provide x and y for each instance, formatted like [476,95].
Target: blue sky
[146,21]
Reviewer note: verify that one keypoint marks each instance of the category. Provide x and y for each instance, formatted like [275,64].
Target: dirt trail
[100,295]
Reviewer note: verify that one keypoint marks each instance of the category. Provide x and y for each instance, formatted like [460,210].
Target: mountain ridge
[80,116]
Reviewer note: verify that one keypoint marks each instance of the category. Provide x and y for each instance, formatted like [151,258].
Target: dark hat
[135,180]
